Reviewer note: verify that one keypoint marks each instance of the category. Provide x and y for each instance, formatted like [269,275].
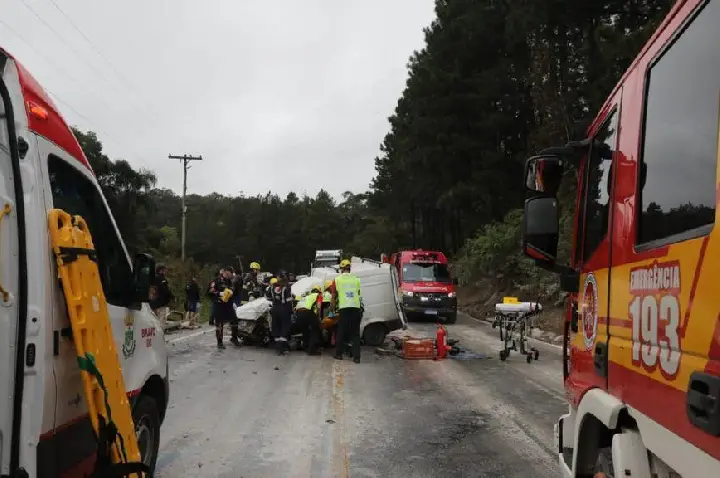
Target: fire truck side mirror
[541,230]
[543,174]
[143,277]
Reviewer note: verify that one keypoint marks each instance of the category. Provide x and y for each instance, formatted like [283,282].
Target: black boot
[280,347]
[219,337]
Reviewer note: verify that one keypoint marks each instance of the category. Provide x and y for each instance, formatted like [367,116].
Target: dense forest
[496,81]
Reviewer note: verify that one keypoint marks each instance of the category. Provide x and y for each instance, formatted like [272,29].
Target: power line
[67,75]
[127,82]
[79,55]
[91,122]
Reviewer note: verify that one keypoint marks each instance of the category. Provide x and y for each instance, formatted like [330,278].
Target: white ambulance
[45,430]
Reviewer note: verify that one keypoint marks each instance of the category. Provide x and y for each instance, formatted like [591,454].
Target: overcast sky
[276,95]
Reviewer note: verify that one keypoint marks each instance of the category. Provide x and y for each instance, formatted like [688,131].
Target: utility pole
[185,158]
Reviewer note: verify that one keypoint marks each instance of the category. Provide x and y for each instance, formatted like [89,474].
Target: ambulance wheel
[147,430]
[374,335]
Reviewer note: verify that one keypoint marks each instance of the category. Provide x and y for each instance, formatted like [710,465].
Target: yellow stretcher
[118,454]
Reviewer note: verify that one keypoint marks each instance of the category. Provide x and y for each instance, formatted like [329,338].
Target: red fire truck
[642,348]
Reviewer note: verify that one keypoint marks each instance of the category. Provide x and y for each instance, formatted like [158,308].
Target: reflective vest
[348,291]
[311,301]
[327,297]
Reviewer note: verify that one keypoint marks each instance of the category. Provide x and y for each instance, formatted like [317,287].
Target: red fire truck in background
[426,285]
[642,337]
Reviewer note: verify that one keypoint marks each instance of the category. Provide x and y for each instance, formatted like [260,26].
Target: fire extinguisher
[441,342]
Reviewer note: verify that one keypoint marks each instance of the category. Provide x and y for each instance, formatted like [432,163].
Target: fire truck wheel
[374,335]
[451,319]
[147,430]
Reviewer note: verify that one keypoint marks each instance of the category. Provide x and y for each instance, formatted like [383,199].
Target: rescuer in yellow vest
[347,299]
[306,312]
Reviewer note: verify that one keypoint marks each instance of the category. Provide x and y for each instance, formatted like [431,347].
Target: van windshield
[327,262]
[414,272]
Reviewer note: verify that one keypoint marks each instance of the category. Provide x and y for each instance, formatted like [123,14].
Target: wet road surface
[247,413]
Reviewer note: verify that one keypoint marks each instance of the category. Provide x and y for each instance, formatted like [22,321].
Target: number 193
[651,346]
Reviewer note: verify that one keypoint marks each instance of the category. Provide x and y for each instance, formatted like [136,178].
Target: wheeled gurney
[516,321]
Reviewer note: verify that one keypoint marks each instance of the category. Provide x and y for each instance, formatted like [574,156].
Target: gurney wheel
[503,355]
[529,358]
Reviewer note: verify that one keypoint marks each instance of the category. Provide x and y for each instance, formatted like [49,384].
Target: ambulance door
[72,188]
[589,349]
[27,405]
[9,261]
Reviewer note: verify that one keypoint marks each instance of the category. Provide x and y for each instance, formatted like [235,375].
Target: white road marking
[188,336]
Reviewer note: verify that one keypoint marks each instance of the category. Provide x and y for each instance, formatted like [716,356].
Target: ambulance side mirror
[143,277]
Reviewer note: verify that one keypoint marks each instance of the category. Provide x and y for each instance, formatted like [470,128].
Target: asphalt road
[248,413]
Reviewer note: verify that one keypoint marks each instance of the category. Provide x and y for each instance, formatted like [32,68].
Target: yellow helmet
[316,288]
[344,263]
[273,281]
[255,266]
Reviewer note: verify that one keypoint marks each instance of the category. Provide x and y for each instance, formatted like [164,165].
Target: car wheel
[374,335]
[147,430]
[451,319]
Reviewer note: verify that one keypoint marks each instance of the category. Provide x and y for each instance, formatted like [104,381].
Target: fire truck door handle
[703,402]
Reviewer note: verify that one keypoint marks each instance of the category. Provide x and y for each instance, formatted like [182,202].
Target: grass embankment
[491,266]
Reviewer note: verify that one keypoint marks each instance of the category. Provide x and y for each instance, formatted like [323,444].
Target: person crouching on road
[347,299]
[307,311]
[281,312]
[224,310]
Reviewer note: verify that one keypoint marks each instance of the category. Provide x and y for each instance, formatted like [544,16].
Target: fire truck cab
[642,335]
[45,429]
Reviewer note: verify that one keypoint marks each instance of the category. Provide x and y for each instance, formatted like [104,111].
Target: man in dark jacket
[281,313]
[222,291]
[162,295]
[192,300]
[211,295]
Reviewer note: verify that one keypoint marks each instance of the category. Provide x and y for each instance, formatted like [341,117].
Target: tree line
[495,81]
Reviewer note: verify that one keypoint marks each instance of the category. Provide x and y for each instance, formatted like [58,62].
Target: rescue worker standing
[222,291]
[347,299]
[212,296]
[163,295]
[251,283]
[307,312]
[281,312]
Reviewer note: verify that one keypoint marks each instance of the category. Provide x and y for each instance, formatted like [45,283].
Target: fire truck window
[597,186]
[681,135]
[76,195]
